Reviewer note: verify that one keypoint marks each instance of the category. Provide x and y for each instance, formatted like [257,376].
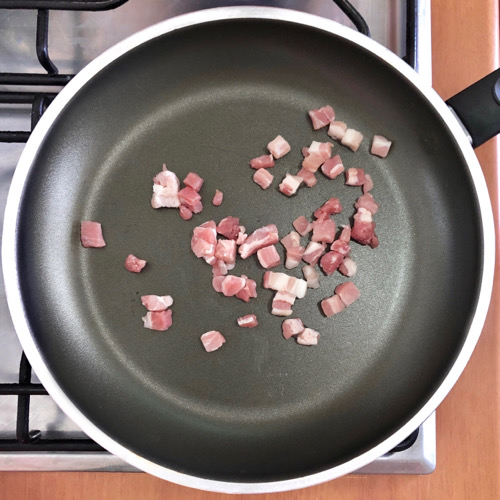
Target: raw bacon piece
[311,276]
[212,340]
[282,304]
[191,198]
[308,337]
[282,282]
[278,147]
[345,235]
[290,184]
[368,184]
[292,239]
[322,148]
[332,206]
[91,234]
[264,161]
[268,257]
[380,146]
[337,130]
[348,267]
[219,268]
[204,240]
[218,197]
[242,236]
[367,201]
[249,291]
[231,285]
[134,264]
[229,227]
[158,320]
[313,252]
[194,181]
[248,321]
[330,262]
[308,177]
[355,177]
[165,189]
[226,250]
[352,139]
[348,292]
[324,231]
[263,178]
[291,327]
[302,225]
[294,256]
[332,305]
[313,161]
[364,228]
[157,302]
[217,283]
[333,167]
[321,117]
[185,212]
[341,247]
[262,237]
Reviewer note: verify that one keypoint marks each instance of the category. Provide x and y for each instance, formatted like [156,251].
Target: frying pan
[206,92]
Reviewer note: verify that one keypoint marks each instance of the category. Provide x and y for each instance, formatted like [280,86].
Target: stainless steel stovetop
[75,38]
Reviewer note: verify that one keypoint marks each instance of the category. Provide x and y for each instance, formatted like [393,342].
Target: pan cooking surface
[208,99]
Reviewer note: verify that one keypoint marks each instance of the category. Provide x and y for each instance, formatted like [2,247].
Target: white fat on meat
[337,130]
[282,303]
[263,178]
[204,241]
[212,340]
[380,146]
[157,302]
[294,256]
[248,321]
[348,292]
[282,282]
[332,305]
[262,237]
[321,117]
[311,276]
[290,184]
[368,202]
[313,252]
[348,267]
[352,139]
[231,285]
[291,327]
[158,320]
[278,147]
[333,167]
[355,177]
[268,257]
[165,190]
[302,225]
[308,337]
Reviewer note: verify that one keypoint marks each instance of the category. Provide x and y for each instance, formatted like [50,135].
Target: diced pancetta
[185,212]
[247,321]
[291,327]
[332,206]
[226,250]
[330,262]
[242,236]
[355,177]
[352,139]
[268,257]
[321,117]
[229,227]
[380,146]
[262,237]
[348,267]
[308,177]
[311,276]
[278,147]
[218,198]
[332,305]
[249,291]
[302,225]
[282,282]
[323,148]
[91,234]
[157,302]
[290,184]
[333,167]
[341,247]
[194,181]
[212,340]
[263,178]
[134,264]
[204,240]
[292,239]
[314,251]
[348,292]
[367,201]
[363,229]
[345,235]
[158,320]
[191,198]
[282,304]
[294,257]
[219,268]
[264,161]
[368,184]
[337,130]
[308,337]
[217,283]
[231,285]
[313,161]
[165,189]
[324,230]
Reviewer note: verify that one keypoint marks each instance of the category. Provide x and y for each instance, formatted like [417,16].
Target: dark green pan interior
[207,99]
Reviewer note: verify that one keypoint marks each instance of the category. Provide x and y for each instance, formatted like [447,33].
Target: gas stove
[43,43]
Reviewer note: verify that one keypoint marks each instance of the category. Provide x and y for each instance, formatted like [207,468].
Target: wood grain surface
[465,48]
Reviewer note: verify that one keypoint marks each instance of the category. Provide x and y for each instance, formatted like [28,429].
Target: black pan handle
[478,107]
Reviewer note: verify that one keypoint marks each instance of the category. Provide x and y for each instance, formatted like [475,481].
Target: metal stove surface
[75,38]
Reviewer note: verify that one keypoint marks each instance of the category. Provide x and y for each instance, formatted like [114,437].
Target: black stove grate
[32,440]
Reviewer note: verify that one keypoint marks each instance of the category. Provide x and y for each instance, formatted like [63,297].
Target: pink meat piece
[302,225]
[348,267]
[262,237]
[247,321]
[249,291]
[337,130]
[191,198]
[165,189]
[324,231]
[157,302]
[380,146]
[308,337]
[374,241]
[345,235]
[231,285]
[217,283]
[321,117]
[368,184]
[91,234]
[204,240]
[219,268]
[217,199]
[226,250]
[264,161]
[330,262]
[322,148]
[212,340]
[367,201]
[355,177]
[348,292]
[292,239]
[158,320]
[330,207]
[352,139]
[311,276]
[194,181]
[242,236]
[282,304]
[268,257]
[341,247]
[290,184]
[314,251]
[332,305]
[282,282]
[363,229]
[134,264]
[229,227]
[185,212]
[291,327]
[263,178]
[313,161]
[308,177]
[294,256]
[333,167]
[278,147]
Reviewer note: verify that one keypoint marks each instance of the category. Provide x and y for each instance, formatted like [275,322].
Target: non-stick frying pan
[205,93]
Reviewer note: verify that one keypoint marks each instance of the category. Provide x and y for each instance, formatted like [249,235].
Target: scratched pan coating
[207,99]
